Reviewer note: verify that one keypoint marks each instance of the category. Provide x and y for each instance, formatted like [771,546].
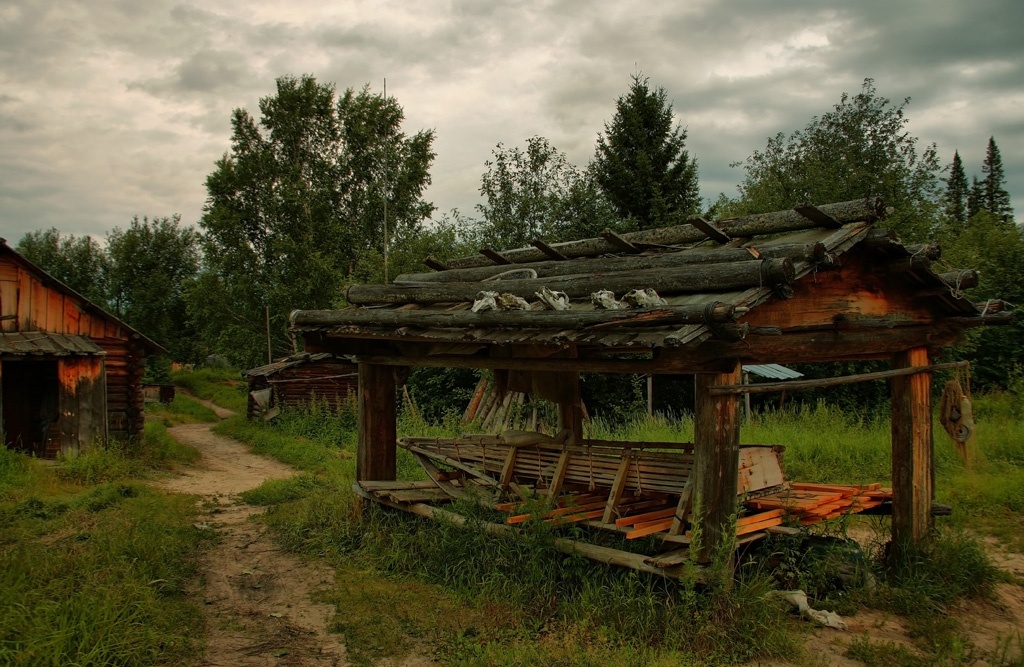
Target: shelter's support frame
[912,473]
[716,440]
[377,448]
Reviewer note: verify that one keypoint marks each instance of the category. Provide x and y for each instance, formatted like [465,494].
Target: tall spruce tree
[641,162]
[975,198]
[996,198]
[955,199]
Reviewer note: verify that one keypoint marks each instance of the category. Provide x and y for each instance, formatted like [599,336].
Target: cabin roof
[86,305]
[30,343]
[292,361]
[710,277]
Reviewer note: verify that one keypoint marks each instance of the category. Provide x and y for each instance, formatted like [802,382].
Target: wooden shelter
[298,381]
[814,284]
[71,372]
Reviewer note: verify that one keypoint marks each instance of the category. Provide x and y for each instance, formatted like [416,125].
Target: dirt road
[259,610]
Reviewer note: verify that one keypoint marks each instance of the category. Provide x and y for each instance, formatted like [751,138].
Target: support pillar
[716,439]
[912,481]
[570,412]
[377,449]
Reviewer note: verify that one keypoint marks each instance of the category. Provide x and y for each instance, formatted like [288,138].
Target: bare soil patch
[258,599]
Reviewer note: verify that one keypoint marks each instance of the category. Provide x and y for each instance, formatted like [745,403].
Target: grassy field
[478,600]
[94,564]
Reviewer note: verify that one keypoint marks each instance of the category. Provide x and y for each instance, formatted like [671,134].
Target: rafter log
[548,250]
[619,242]
[495,256]
[858,210]
[796,385]
[712,232]
[435,264]
[817,216]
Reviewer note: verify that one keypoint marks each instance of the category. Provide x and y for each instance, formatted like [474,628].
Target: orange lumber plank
[650,529]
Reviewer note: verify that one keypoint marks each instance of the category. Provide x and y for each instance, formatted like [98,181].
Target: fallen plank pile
[814,503]
[641,516]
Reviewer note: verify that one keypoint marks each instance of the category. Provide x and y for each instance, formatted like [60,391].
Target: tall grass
[94,575]
[559,609]
[223,386]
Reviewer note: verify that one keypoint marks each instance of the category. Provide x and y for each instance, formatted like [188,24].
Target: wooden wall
[30,302]
[299,385]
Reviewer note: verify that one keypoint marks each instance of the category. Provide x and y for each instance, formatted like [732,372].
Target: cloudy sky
[112,108]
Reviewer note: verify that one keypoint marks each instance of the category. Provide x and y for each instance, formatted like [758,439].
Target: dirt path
[259,610]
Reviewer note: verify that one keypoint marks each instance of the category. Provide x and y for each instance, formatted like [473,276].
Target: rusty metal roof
[40,343]
[772,371]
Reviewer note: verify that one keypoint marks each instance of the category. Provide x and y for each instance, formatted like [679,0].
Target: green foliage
[297,202]
[78,262]
[995,248]
[120,460]
[152,266]
[641,163]
[182,410]
[859,149]
[955,200]
[98,578]
[538,194]
[223,386]
[996,199]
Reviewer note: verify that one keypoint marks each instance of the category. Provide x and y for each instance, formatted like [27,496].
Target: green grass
[94,574]
[118,460]
[182,410]
[546,608]
[223,386]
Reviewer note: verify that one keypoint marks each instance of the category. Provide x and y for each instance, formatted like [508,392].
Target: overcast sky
[115,108]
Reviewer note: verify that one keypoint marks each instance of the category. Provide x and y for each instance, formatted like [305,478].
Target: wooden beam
[435,264]
[818,217]
[548,250]
[859,210]
[618,486]
[682,512]
[558,478]
[377,448]
[912,473]
[712,232]
[533,319]
[619,242]
[716,463]
[796,385]
[682,279]
[495,256]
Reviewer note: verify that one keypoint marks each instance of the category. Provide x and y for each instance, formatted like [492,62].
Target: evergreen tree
[997,199]
[641,162]
[975,198]
[956,193]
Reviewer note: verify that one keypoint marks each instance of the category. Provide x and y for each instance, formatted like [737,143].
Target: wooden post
[911,451]
[716,440]
[375,458]
[570,414]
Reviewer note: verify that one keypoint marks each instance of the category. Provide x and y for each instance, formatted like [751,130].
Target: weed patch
[223,386]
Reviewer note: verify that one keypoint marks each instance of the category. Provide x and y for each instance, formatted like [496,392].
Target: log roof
[300,359]
[811,271]
[33,343]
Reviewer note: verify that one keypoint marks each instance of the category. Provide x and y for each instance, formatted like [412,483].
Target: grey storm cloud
[114,108]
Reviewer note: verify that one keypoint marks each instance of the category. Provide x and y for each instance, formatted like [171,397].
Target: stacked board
[813,503]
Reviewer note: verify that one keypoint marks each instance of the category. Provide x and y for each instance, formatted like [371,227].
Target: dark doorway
[30,404]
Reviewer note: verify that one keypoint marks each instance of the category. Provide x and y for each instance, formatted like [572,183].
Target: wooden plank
[558,478]
[912,471]
[376,450]
[682,512]
[509,468]
[618,486]
[650,529]
[795,385]
[712,232]
[716,439]
[646,516]
[760,516]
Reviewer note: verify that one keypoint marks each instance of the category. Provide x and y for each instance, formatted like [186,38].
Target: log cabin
[70,372]
[812,284]
[299,381]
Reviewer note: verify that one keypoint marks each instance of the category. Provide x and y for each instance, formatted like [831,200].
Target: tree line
[326,189]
